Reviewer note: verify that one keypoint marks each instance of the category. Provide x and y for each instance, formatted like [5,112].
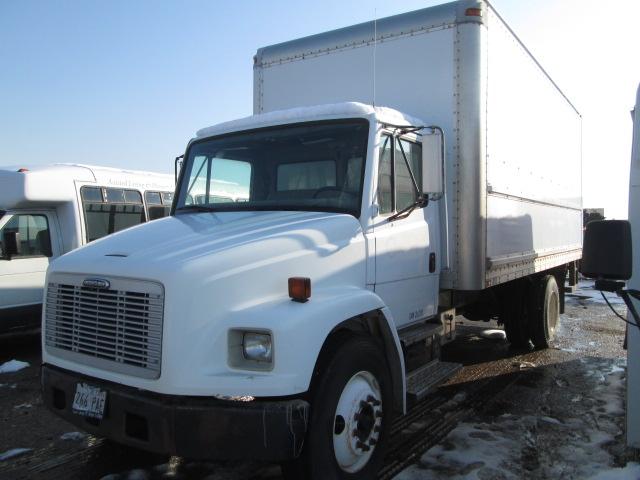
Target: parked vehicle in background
[292,326]
[609,259]
[50,210]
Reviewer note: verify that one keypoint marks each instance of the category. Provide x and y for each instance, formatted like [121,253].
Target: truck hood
[222,273]
[208,244]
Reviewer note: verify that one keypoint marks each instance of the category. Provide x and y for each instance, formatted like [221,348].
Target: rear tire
[351,404]
[515,315]
[545,317]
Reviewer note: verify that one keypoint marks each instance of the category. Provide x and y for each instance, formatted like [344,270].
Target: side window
[35,240]
[153,198]
[109,210]
[158,204]
[395,188]
[405,191]
[385,177]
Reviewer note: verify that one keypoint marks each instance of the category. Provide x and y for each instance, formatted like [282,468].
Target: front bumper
[192,427]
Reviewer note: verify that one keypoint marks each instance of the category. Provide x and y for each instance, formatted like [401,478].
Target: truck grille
[114,328]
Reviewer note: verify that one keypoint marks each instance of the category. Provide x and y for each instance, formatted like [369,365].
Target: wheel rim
[553,312]
[357,422]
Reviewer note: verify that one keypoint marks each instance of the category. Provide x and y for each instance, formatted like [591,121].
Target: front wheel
[350,415]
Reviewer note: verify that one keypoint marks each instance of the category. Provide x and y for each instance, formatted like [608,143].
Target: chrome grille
[115,329]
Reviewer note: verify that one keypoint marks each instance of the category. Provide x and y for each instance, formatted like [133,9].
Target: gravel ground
[562,416]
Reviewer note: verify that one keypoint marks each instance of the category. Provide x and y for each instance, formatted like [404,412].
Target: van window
[92,194]
[153,198]
[158,204]
[35,240]
[122,209]
[167,198]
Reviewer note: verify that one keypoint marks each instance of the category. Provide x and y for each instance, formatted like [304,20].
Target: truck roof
[22,186]
[317,112]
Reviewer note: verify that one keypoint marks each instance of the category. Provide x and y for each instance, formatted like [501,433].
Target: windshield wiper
[195,208]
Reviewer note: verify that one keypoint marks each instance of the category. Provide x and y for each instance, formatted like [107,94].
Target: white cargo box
[513,138]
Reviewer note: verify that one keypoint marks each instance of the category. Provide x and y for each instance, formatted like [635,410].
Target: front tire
[350,415]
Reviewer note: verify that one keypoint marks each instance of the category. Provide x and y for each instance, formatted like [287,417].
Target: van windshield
[306,166]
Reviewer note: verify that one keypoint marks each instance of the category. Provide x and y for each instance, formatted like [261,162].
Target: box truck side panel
[534,187]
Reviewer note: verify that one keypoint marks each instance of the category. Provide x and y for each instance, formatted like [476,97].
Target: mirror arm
[618,288]
[444,164]
[177,161]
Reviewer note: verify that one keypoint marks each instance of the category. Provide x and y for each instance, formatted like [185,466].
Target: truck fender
[328,311]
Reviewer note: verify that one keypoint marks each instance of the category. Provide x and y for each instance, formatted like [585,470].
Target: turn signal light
[299,289]
[473,12]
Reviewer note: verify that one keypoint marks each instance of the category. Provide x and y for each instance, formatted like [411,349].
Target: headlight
[257,347]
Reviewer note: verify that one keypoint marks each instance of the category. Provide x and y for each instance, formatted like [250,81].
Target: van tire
[545,316]
[356,368]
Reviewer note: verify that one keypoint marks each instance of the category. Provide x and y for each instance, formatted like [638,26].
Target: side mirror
[433,164]
[10,244]
[177,166]
[607,252]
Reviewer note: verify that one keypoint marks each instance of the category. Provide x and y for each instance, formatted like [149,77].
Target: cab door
[22,276]
[406,267]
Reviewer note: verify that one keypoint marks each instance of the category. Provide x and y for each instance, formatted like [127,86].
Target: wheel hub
[357,422]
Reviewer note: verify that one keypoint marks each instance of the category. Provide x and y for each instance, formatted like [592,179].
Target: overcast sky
[126,84]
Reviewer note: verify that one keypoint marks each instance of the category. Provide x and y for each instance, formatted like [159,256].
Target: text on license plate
[89,401]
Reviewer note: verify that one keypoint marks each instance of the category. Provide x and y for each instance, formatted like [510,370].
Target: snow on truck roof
[22,187]
[308,114]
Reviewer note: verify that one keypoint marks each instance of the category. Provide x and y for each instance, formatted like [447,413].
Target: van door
[22,277]
[407,277]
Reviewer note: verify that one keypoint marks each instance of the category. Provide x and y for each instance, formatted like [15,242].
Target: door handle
[432,262]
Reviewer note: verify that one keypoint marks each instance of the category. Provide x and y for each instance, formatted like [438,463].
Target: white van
[50,210]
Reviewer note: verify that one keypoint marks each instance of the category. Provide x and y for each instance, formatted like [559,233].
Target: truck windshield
[307,166]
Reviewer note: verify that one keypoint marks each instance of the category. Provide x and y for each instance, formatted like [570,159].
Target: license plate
[89,401]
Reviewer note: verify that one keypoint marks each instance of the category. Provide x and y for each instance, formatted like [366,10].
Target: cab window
[395,187]
[35,240]
[109,210]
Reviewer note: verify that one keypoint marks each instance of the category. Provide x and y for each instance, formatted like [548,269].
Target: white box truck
[293,325]
[47,211]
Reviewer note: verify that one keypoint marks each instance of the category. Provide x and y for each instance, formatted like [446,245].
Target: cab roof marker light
[473,12]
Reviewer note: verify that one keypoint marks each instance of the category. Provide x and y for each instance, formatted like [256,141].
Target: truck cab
[337,233]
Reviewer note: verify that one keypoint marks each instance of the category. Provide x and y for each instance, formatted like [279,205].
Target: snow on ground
[73,436]
[587,292]
[14,452]
[630,472]
[13,366]
[534,445]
